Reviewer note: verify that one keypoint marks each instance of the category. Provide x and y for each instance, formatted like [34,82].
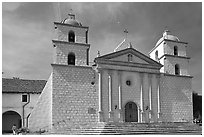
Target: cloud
[27,31]
[10,6]
[26,48]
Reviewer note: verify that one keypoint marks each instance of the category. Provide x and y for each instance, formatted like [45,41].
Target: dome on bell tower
[71,20]
[167,36]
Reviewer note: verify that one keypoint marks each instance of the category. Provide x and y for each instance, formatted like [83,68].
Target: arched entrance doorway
[131,112]
[10,118]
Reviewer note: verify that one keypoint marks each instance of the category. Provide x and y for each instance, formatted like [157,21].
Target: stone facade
[62,32]
[74,98]
[170,63]
[116,93]
[176,103]
[62,49]
[176,89]
[82,96]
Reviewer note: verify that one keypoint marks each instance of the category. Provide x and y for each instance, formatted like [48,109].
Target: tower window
[129,57]
[175,50]
[71,59]
[177,69]
[71,36]
[156,55]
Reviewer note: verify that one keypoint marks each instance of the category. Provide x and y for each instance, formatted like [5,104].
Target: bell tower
[71,46]
[171,53]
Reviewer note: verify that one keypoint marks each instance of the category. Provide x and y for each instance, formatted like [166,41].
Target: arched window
[175,50]
[156,55]
[177,69]
[71,36]
[130,57]
[71,59]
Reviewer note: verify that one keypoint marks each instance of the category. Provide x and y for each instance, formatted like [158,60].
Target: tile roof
[17,85]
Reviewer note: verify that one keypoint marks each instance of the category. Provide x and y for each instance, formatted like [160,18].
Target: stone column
[158,99]
[138,114]
[142,114]
[150,98]
[100,95]
[120,96]
[111,116]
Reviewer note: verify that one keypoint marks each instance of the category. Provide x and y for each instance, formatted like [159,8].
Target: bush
[23,130]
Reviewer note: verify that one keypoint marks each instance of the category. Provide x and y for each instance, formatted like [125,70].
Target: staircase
[143,128]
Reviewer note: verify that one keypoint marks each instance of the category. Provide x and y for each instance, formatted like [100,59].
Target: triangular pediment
[134,59]
[122,56]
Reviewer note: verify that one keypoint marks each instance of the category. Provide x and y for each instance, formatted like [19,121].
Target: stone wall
[170,63]
[176,98]
[40,118]
[63,49]
[169,48]
[80,33]
[75,98]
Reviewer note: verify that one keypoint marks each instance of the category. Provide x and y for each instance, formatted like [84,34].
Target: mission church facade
[123,86]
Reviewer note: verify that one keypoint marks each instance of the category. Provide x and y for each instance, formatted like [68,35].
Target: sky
[28,30]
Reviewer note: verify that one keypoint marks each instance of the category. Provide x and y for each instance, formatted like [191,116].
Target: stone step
[144,132]
[143,128]
[140,128]
[136,128]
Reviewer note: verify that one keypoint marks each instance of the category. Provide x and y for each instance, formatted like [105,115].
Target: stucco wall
[129,93]
[13,102]
[125,59]
[160,50]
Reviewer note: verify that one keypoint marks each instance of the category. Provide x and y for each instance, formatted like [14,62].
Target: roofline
[109,54]
[128,49]
[174,56]
[25,79]
[63,65]
[129,64]
[157,73]
[22,92]
[165,74]
[58,23]
[166,40]
[66,42]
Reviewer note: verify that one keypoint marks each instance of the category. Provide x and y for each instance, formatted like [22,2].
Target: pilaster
[100,111]
[111,113]
[150,111]
[159,114]
[142,113]
[120,96]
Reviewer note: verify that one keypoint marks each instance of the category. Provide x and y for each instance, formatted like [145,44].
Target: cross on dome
[71,15]
[166,32]
[71,10]
[125,43]
[126,33]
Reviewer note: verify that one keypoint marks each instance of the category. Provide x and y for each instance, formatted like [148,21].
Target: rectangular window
[24,98]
